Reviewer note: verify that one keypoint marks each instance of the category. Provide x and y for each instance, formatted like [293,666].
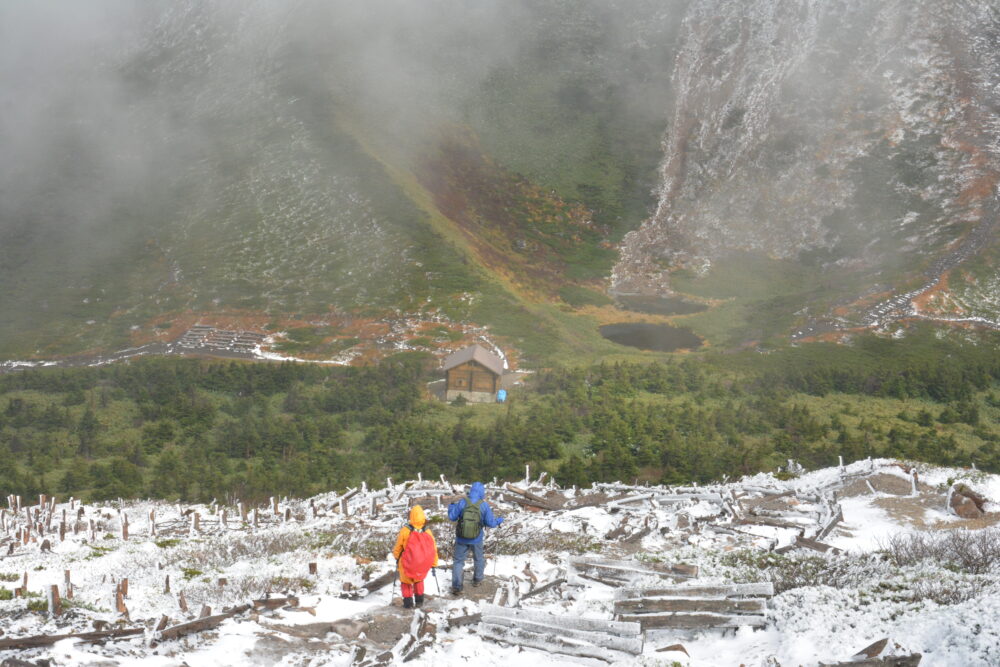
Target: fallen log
[765,589]
[525,503]
[206,623]
[837,517]
[544,503]
[626,571]
[541,589]
[459,621]
[716,605]
[638,535]
[88,637]
[550,643]
[815,545]
[275,603]
[694,620]
[376,583]
[776,523]
[574,578]
[492,613]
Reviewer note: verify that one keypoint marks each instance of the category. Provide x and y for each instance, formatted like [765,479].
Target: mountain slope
[857,140]
[323,162]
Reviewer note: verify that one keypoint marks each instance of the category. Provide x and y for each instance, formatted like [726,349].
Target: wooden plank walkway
[624,572]
[569,635]
[695,607]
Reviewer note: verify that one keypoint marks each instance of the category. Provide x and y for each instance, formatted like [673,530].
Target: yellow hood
[417,516]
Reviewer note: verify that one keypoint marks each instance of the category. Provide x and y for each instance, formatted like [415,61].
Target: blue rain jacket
[476,492]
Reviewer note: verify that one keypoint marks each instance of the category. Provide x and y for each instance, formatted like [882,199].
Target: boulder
[965,507]
[979,500]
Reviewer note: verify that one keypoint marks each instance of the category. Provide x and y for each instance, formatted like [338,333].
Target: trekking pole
[436,584]
[395,575]
[494,551]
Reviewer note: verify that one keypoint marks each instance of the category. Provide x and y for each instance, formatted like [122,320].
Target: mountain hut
[473,372]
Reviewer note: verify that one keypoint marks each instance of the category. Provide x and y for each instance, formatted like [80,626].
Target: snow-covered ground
[827,606]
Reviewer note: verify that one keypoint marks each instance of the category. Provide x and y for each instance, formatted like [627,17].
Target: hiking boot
[407,603]
[418,600]
[477,584]
[456,591]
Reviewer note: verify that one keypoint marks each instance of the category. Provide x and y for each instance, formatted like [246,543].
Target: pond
[655,337]
[658,305]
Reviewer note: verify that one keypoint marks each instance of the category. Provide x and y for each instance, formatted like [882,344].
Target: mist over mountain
[473,162]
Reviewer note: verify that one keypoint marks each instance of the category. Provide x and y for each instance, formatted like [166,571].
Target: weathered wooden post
[182,602]
[224,520]
[93,531]
[343,506]
[256,518]
[243,512]
[166,585]
[313,568]
[67,585]
[274,505]
[55,606]
[62,531]
[222,582]
[374,507]
[124,526]
[205,611]
[288,514]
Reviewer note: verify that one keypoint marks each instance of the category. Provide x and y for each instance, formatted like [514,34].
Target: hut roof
[475,353]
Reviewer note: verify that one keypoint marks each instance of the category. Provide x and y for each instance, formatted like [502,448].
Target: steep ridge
[856,139]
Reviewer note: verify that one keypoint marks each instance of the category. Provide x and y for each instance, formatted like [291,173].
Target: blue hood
[477,491]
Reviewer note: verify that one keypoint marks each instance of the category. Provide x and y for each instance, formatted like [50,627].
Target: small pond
[657,305]
[655,337]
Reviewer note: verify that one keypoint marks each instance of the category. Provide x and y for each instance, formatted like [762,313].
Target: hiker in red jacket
[415,553]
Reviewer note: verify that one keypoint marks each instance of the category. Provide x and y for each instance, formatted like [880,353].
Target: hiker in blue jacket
[471,514]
